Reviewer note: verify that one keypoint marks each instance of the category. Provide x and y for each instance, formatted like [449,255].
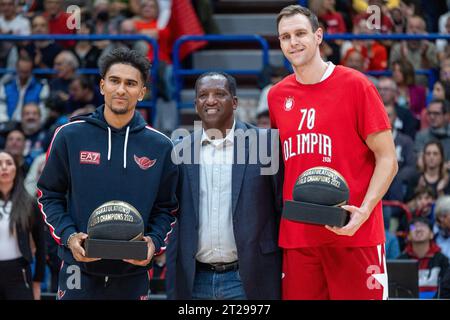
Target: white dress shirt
[216,238]
[9,247]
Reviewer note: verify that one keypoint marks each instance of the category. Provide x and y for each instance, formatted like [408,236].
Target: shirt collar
[328,71]
[228,140]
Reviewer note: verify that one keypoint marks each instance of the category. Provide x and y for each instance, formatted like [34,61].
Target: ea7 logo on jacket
[89,157]
[144,163]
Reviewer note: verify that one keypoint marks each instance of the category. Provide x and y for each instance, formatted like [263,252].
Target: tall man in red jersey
[331,116]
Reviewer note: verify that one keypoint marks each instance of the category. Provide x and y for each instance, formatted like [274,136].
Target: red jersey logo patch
[89,157]
[288,103]
[144,163]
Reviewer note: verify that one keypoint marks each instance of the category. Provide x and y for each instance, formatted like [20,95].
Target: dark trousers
[15,280]
[75,284]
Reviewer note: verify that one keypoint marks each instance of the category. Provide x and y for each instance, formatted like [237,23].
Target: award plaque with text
[115,231]
[317,196]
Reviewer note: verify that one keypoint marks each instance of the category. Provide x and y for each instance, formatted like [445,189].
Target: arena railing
[179,72]
[149,104]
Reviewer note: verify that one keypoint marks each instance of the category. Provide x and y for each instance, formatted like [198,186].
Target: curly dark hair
[125,56]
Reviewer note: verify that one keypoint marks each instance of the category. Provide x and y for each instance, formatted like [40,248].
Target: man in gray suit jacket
[224,245]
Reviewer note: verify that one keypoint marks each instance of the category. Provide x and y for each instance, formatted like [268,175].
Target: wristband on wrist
[68,239]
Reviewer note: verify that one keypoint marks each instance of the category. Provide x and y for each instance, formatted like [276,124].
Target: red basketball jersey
[326,124]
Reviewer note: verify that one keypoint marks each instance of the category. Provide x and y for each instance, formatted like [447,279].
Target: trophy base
[315,214]
[116,249]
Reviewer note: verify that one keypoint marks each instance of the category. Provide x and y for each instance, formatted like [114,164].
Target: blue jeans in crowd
[210,285]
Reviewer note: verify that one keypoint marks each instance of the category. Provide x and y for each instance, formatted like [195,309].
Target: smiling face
[122,87]
[214,103]
[299,43]
[31,118]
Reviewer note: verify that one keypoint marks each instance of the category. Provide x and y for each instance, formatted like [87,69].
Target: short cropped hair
[445,105]
[125,56]
[231,81]
[294,9]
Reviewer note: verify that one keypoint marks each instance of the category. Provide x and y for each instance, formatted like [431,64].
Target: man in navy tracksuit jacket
[109,155]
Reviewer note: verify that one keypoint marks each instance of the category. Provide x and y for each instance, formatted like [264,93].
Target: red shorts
[338,273]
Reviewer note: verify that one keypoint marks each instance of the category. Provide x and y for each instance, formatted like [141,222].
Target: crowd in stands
[417,205]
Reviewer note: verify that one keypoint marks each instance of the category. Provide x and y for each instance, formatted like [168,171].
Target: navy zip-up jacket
[90,163]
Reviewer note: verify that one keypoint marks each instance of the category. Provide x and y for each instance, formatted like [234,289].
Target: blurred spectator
[57,20]
[434,172]
[19,219]
[362,5]
[20,90]
[165,8]
[11,24]
[405,122]
[326,11]
[392,246]
[127,27]
[432,263]
[146,24]
[83,93]
[410,95]
[333,22]
[276,74]
[53,262]
[374,53]
[420,203]
[442,46]
[443,224]
[33,175]
[404,147]
[10,21]
[86,53]
[421,53]
[66,64]
[42,52]
[56,117]
[441,91]
[31,126]
[102,23]
[439,129]
[399,20]
[423,202]
[263,119]
[386,23]
[431,11]
[15,145]
[401,14]
[444,74]
[354,59]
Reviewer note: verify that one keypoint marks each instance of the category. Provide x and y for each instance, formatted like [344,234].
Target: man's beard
[119,111]
[31,127]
